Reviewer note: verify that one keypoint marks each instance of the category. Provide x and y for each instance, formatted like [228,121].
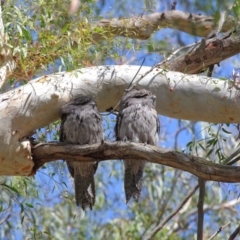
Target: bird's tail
[133,178]
[84,190]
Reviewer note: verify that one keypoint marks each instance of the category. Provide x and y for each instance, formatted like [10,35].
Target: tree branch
[235,233]
[36,104]
[213,101]
[218,231]
[5,219]
[200,205]
[204,54]
[141,27]
[198,166]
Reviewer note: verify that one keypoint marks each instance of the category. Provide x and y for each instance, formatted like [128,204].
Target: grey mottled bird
[137,121]
[82,124]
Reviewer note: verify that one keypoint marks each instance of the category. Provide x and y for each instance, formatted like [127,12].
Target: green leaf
[22,208]
[203,148]
[209,153]
[16,50]
[11,188]
[224,130]
[217,89]
[19,30]
[29,205]
[26,34]
[22,219]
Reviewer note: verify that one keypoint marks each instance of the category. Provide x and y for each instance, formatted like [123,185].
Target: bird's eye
[141,96]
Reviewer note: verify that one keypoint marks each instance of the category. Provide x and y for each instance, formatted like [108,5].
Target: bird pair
[137,121]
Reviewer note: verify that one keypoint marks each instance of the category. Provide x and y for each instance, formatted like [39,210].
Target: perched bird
[137,121]
[82,124]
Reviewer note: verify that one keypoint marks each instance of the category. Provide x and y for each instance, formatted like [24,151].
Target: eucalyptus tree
[50,55]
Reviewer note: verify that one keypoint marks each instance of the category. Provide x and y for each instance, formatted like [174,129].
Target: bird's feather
[137,121]
[82,124]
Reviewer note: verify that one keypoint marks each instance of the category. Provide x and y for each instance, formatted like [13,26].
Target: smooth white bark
[8,66]
[37,103]
[1,23]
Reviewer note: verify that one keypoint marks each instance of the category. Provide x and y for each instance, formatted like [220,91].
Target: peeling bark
[200,56]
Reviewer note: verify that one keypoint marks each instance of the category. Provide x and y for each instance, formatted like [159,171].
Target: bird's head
[138,96]
[82,100]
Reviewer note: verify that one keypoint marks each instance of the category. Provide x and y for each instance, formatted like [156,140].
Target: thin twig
[234,161]
[161,225]
[138,80]
[215,30]
[172,55]
[230,158]
[235,233]
[201,183]
[136,73]
[128,89]
[210,71]
[221,21]
[218,231]
[5,219]
[173,5]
